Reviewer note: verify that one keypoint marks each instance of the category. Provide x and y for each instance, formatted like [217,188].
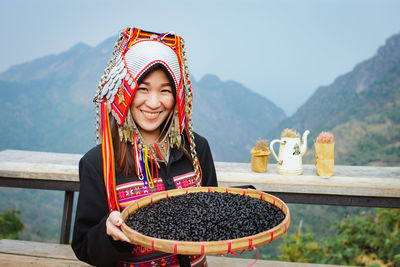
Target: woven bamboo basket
[206,247]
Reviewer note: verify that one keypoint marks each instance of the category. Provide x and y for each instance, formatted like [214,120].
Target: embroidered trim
[131,191]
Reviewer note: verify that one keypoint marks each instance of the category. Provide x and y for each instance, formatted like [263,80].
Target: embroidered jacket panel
[90,241]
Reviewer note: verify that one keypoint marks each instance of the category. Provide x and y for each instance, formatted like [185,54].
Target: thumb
[116,218]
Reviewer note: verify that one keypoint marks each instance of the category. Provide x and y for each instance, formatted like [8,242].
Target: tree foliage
[301,247]
[10,224]
[370,239]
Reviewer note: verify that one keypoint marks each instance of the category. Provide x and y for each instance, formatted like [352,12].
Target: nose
[153,100]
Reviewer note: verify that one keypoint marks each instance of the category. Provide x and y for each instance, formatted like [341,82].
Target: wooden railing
[42,170]
[364,186]
[350,185]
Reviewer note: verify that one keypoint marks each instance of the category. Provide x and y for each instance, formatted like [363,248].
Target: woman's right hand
[113,224]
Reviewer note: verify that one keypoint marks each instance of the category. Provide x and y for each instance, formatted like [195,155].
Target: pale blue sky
[283,50]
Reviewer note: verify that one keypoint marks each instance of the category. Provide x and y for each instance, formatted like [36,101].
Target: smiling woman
[152,104]
[147,146]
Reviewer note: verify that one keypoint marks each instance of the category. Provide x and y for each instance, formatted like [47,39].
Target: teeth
[150,114]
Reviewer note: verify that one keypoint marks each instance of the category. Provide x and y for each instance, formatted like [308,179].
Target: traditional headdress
[137,52]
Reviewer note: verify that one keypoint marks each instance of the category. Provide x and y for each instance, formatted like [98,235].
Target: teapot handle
[271,147]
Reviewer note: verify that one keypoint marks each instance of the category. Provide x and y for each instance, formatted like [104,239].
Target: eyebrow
[163,84]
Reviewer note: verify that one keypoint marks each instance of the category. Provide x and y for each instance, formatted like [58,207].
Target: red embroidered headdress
[135,53]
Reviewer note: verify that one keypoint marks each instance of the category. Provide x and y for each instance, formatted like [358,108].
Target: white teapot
[291,151]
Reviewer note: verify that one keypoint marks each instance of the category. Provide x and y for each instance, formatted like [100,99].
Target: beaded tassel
[146,166]
[144,170]
[188,120]
[138,165]
[108,159]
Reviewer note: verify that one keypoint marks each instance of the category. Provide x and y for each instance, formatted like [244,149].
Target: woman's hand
[113,224]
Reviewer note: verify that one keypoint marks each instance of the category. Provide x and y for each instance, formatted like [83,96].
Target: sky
[282,49]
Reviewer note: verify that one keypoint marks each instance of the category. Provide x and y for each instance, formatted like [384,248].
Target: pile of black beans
[204,216]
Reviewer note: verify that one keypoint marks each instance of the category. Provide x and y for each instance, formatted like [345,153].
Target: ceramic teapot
[291,151]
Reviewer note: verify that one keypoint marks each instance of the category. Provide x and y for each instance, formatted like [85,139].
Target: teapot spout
[303,147]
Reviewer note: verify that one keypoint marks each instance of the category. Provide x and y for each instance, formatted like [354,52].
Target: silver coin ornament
[118,59]
[103,91]
[111,99]
[121,75]
[118,84]
[108,95]
[114,79]
[124,73]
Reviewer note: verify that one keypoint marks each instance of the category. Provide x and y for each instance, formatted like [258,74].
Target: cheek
[136,102]
[169,102]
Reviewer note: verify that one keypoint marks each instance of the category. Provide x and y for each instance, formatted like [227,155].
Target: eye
[142,89]
[166,90]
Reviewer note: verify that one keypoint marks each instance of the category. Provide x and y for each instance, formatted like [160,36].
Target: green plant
[369,239]
[301,247]
[10,224]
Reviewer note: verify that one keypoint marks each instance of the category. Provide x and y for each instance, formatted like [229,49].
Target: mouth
[151,115]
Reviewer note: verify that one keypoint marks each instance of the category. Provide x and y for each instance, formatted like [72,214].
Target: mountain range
[361,108]
[47,105]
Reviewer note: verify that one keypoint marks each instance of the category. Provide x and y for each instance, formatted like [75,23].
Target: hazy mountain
[232,117]
[46,105]
[361,108]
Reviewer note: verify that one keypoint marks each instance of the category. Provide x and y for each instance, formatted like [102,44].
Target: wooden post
[67,217]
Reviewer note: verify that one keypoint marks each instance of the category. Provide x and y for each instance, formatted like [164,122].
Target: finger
[121,236]
[115,218]
[118,221]
[116,233]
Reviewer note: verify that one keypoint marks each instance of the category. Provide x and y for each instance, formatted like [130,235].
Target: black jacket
[90,241]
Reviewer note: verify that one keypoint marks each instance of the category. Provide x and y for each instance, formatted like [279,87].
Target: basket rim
[205,247]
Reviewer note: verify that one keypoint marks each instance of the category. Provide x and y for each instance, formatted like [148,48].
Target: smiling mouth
[151,115]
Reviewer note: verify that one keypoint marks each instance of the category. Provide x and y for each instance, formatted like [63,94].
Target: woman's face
[152,104]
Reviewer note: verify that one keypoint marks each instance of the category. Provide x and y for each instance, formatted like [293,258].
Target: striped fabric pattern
[129,192]
[141,256]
